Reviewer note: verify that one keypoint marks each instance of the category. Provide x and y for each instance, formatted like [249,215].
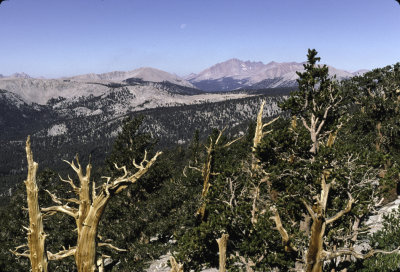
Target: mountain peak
[234,73]
[230,68]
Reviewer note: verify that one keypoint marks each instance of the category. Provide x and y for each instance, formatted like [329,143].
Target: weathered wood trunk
[85,255]
[222,243]
[36,235]
[315,249]
[91,207]
[175,266]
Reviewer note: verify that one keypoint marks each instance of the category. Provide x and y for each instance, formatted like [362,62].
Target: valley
[82,114]
[72,116]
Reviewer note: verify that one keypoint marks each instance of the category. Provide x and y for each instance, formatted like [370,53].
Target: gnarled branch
[61,254]
[350,251]
[111,246]
[64,209]
[342,212]
[282,231]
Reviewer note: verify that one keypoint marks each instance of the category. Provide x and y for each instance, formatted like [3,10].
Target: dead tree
[89,207]
[91,203]
[255,163]
[207,171]
[259,134]
[36,235]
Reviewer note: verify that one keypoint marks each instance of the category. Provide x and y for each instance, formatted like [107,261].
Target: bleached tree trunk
[175,266]
[91,207]
[36,235]
[315,254]
[222,243]
[255,163]
[206,171]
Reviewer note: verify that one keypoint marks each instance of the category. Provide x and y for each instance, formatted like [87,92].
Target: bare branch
[83,178]
[64,209]
[309,209]
[54,197]
[342,212]
[69,181]
[270,122]
[58,200]
[25,254]
[350,251]
[279,227]
[305,124]
[220,135]
[111,246]
[194,168]
[233,141]
[120,183]
[61,254]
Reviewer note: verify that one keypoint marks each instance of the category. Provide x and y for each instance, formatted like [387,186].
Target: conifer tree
[317,179]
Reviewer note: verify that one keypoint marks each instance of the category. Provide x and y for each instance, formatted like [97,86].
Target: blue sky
[54,38]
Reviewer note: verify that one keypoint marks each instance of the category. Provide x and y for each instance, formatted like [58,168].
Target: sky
[55,38]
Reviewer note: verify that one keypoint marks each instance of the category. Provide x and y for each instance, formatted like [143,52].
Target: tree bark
[91,207]
[175,267]
[222,243]
[36,235]
[315,249]
[86,250]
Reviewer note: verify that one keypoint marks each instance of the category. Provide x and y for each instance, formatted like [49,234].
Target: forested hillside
[265,183]
[60,134]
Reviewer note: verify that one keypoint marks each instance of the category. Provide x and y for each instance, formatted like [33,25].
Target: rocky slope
[66,117]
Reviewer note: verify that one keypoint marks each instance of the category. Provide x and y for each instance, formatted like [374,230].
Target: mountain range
[236,74]
[230,75]
[82,114]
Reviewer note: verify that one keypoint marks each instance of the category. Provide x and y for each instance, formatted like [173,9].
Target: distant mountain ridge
[16,75]
[144,73]
[230,75]
[40,91]
[235,74]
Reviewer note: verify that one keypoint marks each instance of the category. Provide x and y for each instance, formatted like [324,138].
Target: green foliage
[228,210]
